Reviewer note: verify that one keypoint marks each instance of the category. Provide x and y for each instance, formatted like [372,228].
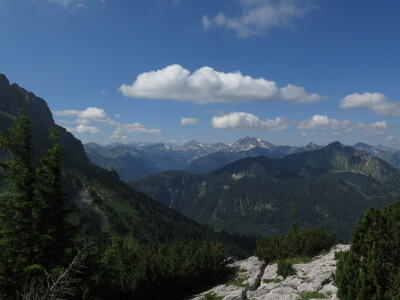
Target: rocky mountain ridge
[138,160]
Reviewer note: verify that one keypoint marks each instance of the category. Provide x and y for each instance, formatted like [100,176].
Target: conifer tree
[55,233]
[34,232]
[370,270]
[17,233]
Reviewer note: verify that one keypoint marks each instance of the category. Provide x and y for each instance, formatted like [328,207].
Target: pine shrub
[285,269]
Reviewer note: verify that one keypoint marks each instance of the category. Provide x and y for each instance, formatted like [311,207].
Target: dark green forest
[45,255]
[329,187]
[296,243]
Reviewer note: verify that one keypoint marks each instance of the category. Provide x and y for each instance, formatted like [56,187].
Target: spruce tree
[371,269]
[17,233]
[55,233]
[34,232]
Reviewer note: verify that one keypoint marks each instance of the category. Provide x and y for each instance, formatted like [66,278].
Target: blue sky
[288,71]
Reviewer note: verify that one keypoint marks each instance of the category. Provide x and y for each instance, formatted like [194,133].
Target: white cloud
[323,122]
[379,125]
[94,114]
[259,16]
[243,120]
[85,129]
[189,121]
[90,113]
[376,102]
[66,112]
[206,85]
[82,121]
[299,94]
[323,125]
[122,130]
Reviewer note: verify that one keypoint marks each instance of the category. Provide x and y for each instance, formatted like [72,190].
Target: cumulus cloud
[323,122]
[323,125]
[379,125]
[243,120]
[121,130]
[98,115]
[259,16]
[189,121]
[85,129]
[206,85]
[90,113]
[376,102]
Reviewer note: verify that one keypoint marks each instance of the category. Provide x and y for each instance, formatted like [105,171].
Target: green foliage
[18,236]
[308,242]
[55,233]
[126,271]
[33,227]
[371,268]
[285,269]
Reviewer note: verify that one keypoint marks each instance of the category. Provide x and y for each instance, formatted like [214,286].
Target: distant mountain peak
[335,145]
[312,146]
[248,139]
[250,142]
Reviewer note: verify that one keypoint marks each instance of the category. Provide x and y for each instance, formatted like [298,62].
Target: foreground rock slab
[255,281]
[249,274]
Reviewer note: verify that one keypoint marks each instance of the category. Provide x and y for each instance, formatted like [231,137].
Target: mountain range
[250,186]
[138,160]
[331,186]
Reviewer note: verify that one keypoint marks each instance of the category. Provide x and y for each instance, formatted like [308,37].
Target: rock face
[13,97]
[260,282]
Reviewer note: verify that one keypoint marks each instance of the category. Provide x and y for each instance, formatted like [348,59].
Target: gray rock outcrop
[255,281]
